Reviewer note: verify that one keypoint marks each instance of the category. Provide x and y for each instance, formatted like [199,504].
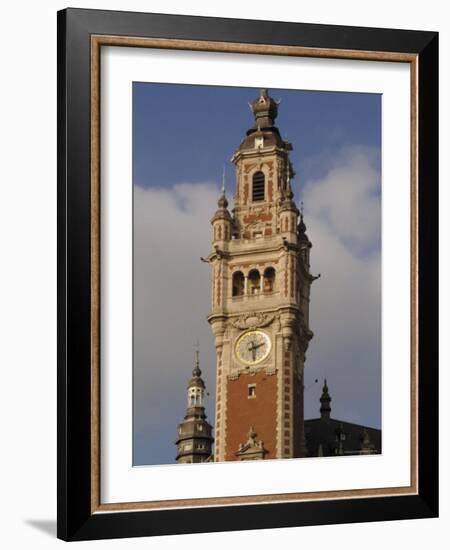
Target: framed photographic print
[247,274]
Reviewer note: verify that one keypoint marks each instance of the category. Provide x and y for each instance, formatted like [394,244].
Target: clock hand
[251,347]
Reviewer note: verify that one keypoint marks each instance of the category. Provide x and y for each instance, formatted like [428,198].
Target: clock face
[252,347]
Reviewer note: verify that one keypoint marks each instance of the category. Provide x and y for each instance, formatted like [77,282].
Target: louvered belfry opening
[258,187]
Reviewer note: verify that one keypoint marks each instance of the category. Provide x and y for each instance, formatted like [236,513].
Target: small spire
[222,203]
[195,428]
[325,400]
[289,193]
[301,224]
[223,180]
[197,352]
[196,372]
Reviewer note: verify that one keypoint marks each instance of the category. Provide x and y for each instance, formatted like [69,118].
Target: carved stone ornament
[253,320]
[251,449]
[235,372]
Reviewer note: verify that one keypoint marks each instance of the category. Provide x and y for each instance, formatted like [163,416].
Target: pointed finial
[196,370]
[288,193]
[301,226]
[222,202]
[223,180]
[325,400]
[197,353]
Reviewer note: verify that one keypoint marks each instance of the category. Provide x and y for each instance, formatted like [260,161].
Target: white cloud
[347,199]
[342,212]
[172,297]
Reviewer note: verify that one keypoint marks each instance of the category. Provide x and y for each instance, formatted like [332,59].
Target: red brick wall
[259,412]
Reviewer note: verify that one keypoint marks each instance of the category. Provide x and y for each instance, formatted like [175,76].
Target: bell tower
[260,300]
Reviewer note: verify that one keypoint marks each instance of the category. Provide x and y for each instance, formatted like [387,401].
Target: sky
[183,137]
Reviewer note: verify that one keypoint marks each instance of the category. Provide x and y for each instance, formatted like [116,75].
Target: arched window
[254,281]
[269,280]
[258,191]
[238,284]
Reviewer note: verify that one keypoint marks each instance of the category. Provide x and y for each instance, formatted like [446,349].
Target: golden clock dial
[252,347]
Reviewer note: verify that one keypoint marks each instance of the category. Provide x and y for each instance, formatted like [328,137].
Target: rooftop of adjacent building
[327,436]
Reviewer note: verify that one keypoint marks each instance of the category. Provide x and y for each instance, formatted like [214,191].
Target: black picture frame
[75,518]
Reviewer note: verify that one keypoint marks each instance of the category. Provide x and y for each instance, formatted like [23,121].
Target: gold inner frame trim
[97,41]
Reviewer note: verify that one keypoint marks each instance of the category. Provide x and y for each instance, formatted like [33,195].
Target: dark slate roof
[271,136]
[194,428]
[338,437]
[196,379]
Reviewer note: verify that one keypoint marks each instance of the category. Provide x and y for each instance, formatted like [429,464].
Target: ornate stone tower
[260,300]
[194,441]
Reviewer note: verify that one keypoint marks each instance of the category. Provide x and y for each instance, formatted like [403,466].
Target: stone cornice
[258,153]
[225,316]
[229,254]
